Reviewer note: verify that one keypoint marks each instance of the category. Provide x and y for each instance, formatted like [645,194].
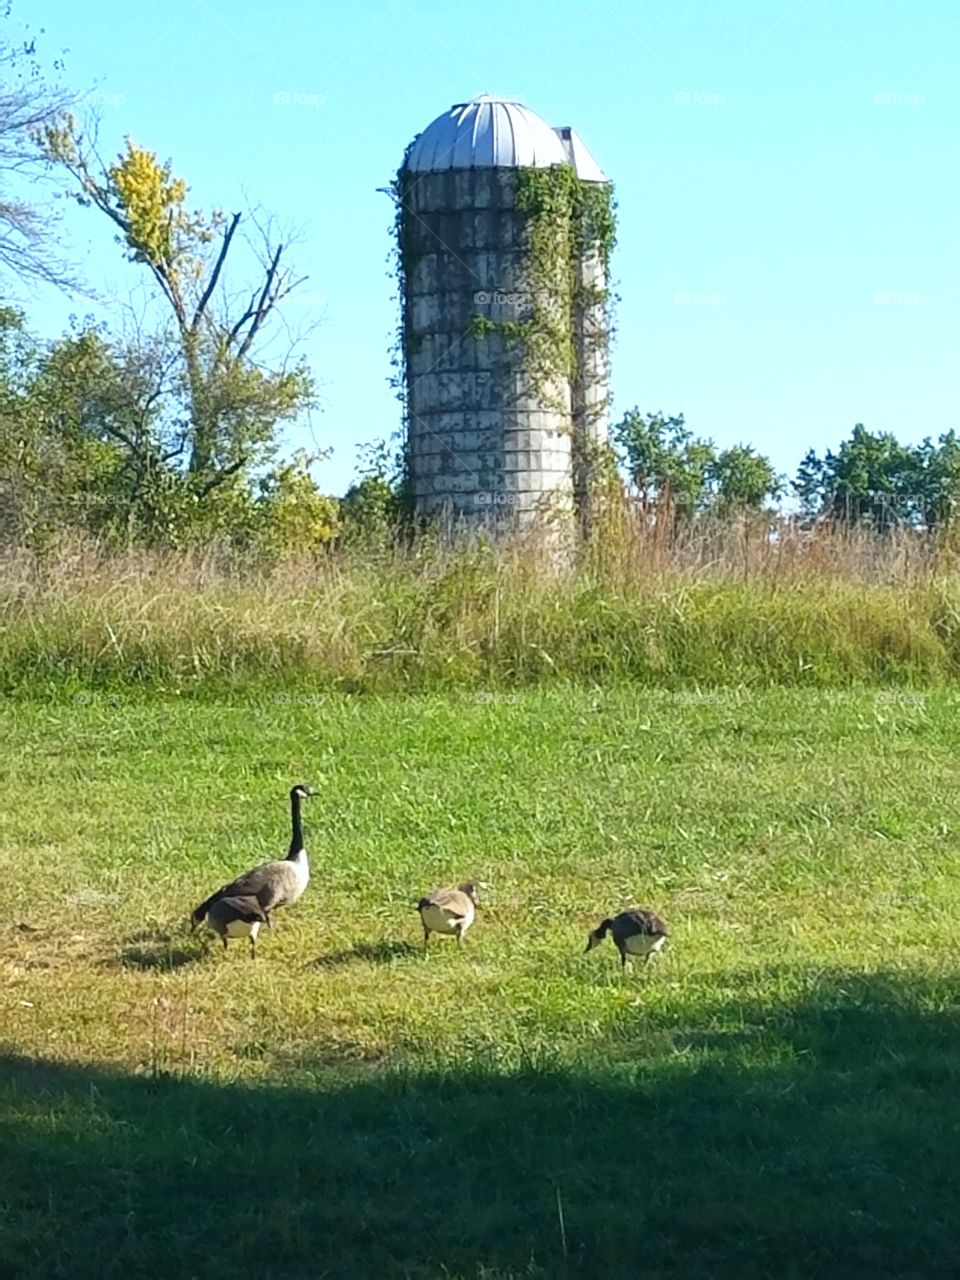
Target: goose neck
[296,824]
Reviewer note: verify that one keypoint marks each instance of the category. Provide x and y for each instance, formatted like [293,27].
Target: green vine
[566,219]
[401,262]
[569,221]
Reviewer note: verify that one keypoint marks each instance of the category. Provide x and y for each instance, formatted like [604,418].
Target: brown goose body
[637,932]
[448,911]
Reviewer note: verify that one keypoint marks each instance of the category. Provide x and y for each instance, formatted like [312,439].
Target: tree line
[167,429]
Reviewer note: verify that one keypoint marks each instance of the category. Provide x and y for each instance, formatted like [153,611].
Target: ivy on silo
[565,217]
[402,260]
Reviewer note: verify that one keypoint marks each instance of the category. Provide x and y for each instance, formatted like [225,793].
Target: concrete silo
[487,438]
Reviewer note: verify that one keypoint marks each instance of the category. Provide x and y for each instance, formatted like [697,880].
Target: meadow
[776,1095]
[713,606]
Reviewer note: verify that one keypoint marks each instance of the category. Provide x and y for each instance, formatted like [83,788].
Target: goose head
[596,936]
[301,791]
[470,889]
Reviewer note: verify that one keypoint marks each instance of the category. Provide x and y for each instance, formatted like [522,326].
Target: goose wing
[247,909]
[452,903]
[270,884]
[642,921]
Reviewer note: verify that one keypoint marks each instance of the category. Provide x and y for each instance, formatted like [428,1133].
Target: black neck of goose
[296,837]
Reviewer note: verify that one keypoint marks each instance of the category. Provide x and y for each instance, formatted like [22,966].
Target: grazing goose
[272,884]
[448,911]
[636,933]
[238,918]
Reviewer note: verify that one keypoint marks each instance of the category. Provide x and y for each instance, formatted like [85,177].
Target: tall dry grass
[715,604]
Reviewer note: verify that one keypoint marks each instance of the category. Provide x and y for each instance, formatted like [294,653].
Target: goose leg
[253,947]
[426,938]
[224,941]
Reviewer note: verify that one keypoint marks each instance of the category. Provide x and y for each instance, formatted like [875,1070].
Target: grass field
[838,612]
[778,1094]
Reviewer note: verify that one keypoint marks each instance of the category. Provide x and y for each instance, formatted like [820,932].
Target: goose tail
[199,914]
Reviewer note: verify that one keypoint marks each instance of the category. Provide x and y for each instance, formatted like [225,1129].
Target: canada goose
[238,918]
[636,933]
[449,911]
[272,884]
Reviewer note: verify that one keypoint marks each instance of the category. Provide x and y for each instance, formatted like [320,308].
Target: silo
[484,440]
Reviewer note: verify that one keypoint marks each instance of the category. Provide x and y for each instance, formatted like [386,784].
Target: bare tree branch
[262,309]
[215,273]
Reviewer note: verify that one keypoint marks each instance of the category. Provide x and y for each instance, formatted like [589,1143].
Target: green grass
[778,1094]
[467,621]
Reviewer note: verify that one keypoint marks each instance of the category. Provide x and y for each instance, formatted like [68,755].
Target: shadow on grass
[810,1139]
[369,952]
[159,957]
[160,949]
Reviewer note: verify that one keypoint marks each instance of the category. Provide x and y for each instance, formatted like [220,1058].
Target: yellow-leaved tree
[225,401]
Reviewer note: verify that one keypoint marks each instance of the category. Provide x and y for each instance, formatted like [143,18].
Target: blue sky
[787,179]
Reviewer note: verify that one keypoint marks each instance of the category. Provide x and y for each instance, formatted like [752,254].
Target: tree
[231,402]
[54,471]
[743,480]
[940,468]
[89,439]
[27,105]
[873,479]
[666,464]
[293,515]
[373,510]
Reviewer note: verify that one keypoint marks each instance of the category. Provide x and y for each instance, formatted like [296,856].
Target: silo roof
[486,133]
[583,163]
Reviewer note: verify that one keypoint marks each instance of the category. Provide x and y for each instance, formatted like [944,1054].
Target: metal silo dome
[486,133]
[577,155]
